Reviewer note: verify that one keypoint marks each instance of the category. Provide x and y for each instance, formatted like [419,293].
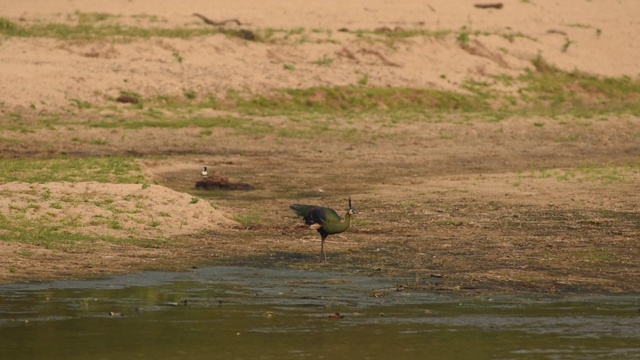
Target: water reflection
[246,313]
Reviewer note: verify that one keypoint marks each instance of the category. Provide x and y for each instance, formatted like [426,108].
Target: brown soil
[483,206]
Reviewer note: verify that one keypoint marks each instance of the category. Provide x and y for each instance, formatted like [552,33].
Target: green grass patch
[604,174]
[249,220]
[608,174]
[87,30]
[400,33]
[92,26]
[50,236]
[99,26]
[595,256]
[240,125]
[551,90]
[358,98]
[544,90]
[112,169]
[324,61]
[46,234]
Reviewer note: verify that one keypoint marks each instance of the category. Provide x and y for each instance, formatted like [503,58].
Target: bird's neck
[339,227]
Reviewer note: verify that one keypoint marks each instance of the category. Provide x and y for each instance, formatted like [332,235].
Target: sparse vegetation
[113,169]
[81,104]
[364,80]
[331,99]
[43,233]
[567,43]
[550,89]
[463,39]
[88,27]
[190,94]
[603,174]
[324,61]
[250,220]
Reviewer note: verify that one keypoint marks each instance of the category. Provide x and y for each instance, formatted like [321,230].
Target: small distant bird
[325,220]
[204,173]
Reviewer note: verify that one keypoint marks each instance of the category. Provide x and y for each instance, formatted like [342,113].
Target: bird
[325,220]
[204,173]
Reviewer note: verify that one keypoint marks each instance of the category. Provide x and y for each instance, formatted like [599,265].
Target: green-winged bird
[325,220]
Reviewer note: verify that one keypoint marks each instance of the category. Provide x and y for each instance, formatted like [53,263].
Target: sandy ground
[49,73]
[488,205]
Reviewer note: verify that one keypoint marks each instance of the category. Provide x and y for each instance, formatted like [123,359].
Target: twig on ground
[216,23]
[489,6]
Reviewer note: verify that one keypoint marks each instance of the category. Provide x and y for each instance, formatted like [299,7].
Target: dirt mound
[115,210]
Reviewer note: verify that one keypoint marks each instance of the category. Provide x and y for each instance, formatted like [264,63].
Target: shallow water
[248,313]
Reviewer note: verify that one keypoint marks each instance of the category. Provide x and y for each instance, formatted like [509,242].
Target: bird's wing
[321,215]
[313,214]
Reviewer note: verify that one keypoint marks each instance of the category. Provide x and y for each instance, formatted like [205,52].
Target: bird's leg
[323,255]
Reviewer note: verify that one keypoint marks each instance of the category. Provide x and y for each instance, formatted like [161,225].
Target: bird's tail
[301,209]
